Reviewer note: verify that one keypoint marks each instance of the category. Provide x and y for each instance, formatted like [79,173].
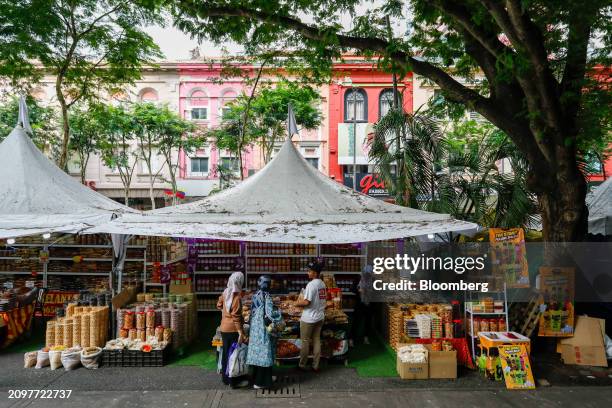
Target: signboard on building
[55,299]
[368,183]
[346,147]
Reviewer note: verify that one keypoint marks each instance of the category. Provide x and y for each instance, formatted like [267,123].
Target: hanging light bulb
[430,236]
[10,241]
[46,235]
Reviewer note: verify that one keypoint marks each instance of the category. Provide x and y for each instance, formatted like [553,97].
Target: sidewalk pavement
[595,397]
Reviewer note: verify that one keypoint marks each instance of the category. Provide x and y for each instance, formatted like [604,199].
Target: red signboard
[55,299]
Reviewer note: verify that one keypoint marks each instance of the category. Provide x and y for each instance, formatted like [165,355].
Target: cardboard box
[587,345]
[442,364]
[412,371]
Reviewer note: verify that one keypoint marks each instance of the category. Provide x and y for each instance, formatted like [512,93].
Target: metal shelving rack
[469,314]
[45,273]
[245,255]
[146,284]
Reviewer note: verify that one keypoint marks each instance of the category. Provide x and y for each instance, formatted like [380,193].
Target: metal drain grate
[284,387]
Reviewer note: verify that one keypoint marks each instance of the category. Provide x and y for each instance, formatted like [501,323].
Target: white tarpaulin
[36,196]
[600,209]
[287,201]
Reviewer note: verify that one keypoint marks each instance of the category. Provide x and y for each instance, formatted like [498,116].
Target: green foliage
[86,132]
[455,173]
[268,114]
[90,47]
[536,58]
[43,120]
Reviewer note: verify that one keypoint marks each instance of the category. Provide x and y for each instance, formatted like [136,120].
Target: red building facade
[360,91]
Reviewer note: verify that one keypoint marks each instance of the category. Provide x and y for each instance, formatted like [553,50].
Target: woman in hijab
[264,323]
[232,330]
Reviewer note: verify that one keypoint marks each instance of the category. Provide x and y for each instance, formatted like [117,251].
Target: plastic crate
[134,358]
[113,358]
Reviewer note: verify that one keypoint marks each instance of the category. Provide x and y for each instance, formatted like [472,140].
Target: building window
[227,98]
[355,104]
[148,95]
[385,102]
[231,163]
[314,161]
[199,113]
[199,165]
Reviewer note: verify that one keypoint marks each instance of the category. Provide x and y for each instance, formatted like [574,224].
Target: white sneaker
[257,387]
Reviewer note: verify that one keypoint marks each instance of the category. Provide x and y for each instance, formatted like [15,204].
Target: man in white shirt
[313,316]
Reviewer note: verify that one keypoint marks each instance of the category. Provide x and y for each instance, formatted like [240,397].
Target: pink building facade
[203,96]
[204,92]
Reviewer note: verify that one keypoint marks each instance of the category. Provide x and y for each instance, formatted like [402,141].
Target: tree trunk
[126,196]
[151,183]
[63,160]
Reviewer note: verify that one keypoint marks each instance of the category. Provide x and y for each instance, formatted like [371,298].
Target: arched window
[385,102]
[148,95]
[355,104]
[226,98]
[197,105]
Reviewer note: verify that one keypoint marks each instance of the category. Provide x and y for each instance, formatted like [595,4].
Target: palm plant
[456,173]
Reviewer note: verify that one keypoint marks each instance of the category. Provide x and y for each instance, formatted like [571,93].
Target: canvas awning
[287,201]
[37,197]
[600,209]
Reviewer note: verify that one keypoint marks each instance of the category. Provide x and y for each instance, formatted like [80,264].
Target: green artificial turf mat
[201,353]
[376,359]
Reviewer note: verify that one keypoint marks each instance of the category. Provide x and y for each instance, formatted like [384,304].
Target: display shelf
[16,273]
[213,272]
[208,310]
[283,256]
[79,273]
[342,256]
[179,259]
[209,293]
[486,313]
[218,255]
[53,258]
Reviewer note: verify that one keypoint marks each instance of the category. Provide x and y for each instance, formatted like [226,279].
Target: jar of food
[501,324]
[484,325]
[140,321]
[128,322]
[493,325]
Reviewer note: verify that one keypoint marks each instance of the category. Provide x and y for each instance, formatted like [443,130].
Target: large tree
[43,120]
[536,56]
[88,46]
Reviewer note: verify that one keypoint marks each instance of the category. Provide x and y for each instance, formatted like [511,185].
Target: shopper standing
[313,316]
[232,330]
[262,341]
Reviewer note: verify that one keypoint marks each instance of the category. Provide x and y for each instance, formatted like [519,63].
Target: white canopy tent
[37,197]
[287,201]
[600,209]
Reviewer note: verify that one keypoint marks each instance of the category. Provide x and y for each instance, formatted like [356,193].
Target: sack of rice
[42,358]
[29,359]
[55,357]
[90,357]
[71,358]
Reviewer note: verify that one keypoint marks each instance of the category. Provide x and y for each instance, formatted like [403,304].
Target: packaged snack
[29,359]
